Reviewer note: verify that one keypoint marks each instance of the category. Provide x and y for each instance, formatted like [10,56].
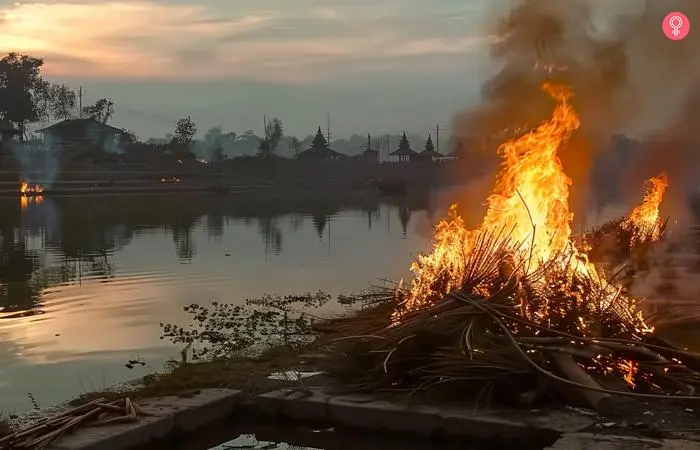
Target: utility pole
[437,136]
[328,127]
[388,145]
[80,102]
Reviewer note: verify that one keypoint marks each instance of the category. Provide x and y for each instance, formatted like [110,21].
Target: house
[319,150]
[429,154]
[404,153]
[80,133]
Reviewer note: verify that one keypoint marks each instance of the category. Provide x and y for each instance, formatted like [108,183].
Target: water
[85,281]
[262,434]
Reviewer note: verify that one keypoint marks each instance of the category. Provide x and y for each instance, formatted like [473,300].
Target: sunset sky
[378,66]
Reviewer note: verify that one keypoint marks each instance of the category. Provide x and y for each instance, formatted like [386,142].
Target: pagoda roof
[404,151]
[431,154]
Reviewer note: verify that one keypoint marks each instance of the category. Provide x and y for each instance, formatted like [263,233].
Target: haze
[376,66]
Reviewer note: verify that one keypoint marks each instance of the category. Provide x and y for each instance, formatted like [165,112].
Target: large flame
[529,203]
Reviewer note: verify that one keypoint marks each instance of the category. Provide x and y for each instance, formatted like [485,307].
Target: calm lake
[85,281]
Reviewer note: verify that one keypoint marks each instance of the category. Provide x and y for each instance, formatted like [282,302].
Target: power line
[437,136]
[80,101]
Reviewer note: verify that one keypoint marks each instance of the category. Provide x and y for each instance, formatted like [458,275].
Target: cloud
[272,41]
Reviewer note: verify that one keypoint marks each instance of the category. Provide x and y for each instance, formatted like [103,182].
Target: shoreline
[316,402]
[172,418]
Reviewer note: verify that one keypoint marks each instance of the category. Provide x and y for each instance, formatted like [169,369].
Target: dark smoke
[628,79]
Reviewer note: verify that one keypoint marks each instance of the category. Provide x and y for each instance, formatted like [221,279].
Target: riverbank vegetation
[233,346]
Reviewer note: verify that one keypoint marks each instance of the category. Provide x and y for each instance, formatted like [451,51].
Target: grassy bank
[247,374]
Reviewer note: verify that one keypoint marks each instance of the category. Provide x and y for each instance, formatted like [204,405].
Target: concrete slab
[587,441]
[170,414]
[367,413]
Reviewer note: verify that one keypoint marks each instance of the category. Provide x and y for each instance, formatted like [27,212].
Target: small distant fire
[170,180]
[643,220]
[27,189]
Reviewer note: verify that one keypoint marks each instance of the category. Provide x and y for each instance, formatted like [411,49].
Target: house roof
[320,153]
[71,125]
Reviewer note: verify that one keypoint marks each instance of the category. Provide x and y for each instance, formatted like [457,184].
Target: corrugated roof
[72,124]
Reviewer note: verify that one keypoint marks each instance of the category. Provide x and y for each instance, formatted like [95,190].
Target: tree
[185,130]
[62,102]
[273,135]
[23,91]
[127,138]
[181,143]
[295,145]
[101,111]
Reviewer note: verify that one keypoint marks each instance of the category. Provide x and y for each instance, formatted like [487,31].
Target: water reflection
[80,234]
[84,281]
[49,241]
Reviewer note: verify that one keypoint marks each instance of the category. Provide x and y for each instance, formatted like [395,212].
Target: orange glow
[30,189]
[25,201]
[643,220]
[530,206]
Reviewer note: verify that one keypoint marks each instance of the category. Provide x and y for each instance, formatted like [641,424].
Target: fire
[30,189]
[644,219]
[529,201]
[529,208]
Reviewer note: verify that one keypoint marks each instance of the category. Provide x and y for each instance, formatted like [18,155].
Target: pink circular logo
[676,26]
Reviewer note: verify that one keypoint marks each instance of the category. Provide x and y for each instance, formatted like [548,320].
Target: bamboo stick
[49,420]
[594,399]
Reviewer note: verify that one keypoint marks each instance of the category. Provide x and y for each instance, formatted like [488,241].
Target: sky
[376,66]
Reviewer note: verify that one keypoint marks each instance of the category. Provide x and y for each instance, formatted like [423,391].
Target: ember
[516,301]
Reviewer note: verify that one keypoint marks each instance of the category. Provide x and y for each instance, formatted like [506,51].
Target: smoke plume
[627,77]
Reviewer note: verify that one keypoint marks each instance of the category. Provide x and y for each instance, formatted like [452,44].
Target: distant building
[319,150]
[78,133]
[369,154]
[405,153]
[429,154]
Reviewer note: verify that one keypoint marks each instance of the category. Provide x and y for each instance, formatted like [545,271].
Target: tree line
[26,98]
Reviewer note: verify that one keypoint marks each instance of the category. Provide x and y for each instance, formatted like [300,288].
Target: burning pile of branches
[614,242]
[515,308]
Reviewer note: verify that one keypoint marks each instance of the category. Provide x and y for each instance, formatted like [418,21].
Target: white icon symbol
[675,22]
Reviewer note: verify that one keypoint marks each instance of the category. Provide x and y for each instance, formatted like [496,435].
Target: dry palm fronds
[98,412]
[508,331]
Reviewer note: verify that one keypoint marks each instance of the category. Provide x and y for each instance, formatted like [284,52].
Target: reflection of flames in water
[27,200]
[529,204]
[170,180]
[27,189]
